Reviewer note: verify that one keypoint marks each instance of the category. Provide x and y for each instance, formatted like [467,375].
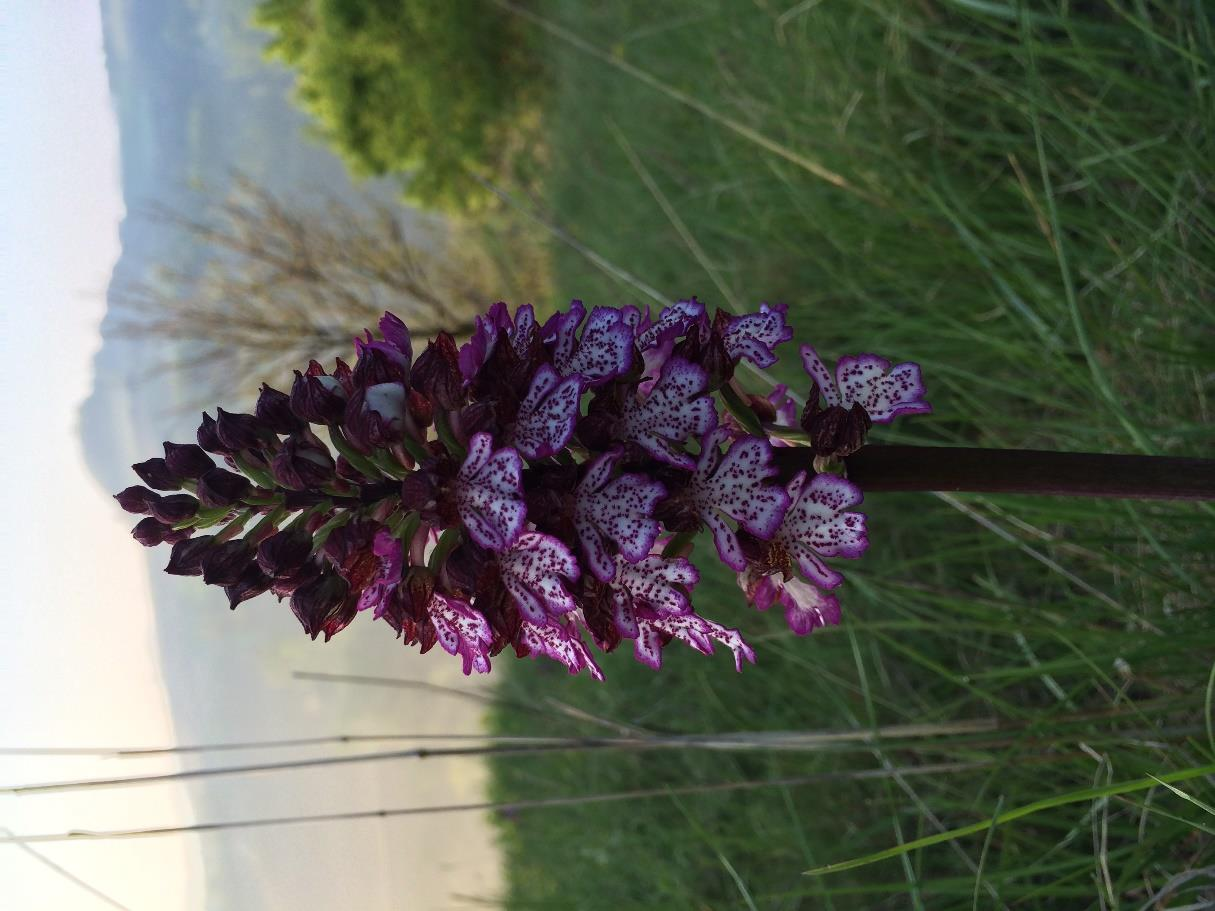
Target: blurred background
[202,194]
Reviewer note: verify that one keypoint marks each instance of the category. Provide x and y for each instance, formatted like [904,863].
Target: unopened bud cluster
[537,488]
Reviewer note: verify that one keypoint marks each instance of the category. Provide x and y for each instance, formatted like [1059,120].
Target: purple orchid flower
[866,379]
[733,485]
[676,408]
[561,642]
[461,631]
[547,414]
[603,352]
[619,510]
[489,493]
[532,570]
[806,607]
[655,585]
[755,335]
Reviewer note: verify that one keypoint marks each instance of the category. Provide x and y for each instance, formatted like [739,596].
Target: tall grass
[1026,211]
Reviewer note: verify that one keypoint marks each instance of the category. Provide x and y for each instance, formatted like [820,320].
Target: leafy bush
[437,88]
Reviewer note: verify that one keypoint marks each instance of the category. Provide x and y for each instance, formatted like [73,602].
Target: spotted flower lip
[676,409]
[756,335]
[733,485]
[489,493]
[548,414]
[868,380]
[619,510]
[532,572]
[535,489]
[603,352]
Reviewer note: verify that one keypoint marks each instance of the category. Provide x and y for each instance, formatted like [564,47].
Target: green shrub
[440,89]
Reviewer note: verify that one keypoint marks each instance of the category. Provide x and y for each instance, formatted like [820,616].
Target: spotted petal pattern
[675,409]
[489,493]
[619,510]
[884,392]
[603,352]
[532,571]
[691,629]
[655,586]
[672,322]
[733,485]
[547,414]
[817,525]
[562,643]
[755,335]
[462,631]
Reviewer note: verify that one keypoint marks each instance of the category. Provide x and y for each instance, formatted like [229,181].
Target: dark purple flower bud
[186,558]
[375,416]
[284,552]
[379,362]
[288,584]
[274,410]
[396,333]
[187,460]
[156,474]
[317,397]
[437,373]
[220,487]
[240,431]
[419,491]
[303,463]
[834,430]
[175,508]
[137,499]
[208,436]
[351,547]
[225,563]
[324,605]
[151,531]
[252,583]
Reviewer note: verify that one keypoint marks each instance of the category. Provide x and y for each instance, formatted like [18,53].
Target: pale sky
[77,657]
[78,654]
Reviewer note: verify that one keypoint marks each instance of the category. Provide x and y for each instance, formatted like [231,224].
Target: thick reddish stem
[1076,474]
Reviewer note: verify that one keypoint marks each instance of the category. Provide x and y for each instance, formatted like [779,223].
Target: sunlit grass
[1035,227]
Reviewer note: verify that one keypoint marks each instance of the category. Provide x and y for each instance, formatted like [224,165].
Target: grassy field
[1020,200]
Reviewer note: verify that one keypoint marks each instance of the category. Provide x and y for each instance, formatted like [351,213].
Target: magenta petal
[532,571]
[396,333]
[675,409]
[619,509]
[462,631]
[547,414]
[820,374]
[756,335]
[562,643]
[489,493]
[883,392]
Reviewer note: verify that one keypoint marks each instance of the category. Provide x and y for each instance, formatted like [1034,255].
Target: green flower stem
[353,456]
[740,410]
[448,437]
[447,543]
[259,476]
[323,533]
[235,527]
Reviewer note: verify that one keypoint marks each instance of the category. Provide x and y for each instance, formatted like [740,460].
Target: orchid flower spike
[536,488]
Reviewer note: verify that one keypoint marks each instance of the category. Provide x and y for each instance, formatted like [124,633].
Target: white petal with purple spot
[489,493]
